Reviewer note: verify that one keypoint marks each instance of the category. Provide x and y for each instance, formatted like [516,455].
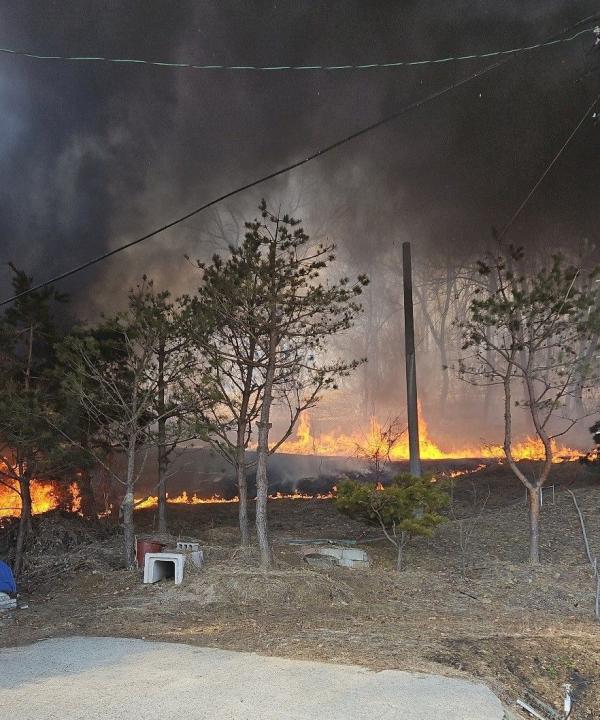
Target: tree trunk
[241,441]
[450,290]
[533,491]
[242,485]
[163,464]
[367,387]
[445,386]
[534,496]
[577,405]
[86,494]
[24,481]
[400,556]
[128,530]
[489,390]
[536,490]
[262,482]
[24,522]
[127,505]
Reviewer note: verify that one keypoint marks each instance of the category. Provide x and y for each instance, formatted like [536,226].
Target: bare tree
[468,520]
[382,440]
[177,372]
[436,294]
[527,329]
[112,375]
[593,560]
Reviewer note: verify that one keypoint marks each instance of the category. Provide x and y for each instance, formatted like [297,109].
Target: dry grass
[502,621]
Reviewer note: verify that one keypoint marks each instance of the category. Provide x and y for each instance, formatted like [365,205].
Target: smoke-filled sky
[93,155]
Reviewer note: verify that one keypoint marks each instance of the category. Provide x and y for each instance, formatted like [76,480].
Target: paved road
[114,679]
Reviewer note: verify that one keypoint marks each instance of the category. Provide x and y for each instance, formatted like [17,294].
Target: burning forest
[218,367]
[363,447]
[349,369]
[374,443]
[230,404]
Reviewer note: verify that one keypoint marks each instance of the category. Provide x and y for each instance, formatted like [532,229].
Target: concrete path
[114,679]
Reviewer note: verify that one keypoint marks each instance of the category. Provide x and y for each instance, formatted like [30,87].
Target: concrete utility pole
[411,367]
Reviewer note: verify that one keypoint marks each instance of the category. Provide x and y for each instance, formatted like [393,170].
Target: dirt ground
[480,611]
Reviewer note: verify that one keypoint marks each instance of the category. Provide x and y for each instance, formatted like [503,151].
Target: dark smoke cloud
[93,155]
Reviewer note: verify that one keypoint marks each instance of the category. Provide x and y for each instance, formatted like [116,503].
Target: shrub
[409,506]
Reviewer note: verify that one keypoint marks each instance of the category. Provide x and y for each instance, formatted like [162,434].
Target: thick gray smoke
[93,155]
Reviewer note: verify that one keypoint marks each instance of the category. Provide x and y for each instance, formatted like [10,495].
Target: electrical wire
[272,68]
[281,171]
[259,181]
[548,168]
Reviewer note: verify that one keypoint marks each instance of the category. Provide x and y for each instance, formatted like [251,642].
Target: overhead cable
[281,171]
[276,68]
[549,167]
[254,183]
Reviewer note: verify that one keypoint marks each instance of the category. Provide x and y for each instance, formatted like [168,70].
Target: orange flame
[43,498]
[333,444]
[374,443]
[185,499]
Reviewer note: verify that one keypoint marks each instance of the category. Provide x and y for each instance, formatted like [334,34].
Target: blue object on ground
[7,580]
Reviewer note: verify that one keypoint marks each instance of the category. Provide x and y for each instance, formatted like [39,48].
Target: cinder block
[351,557]
[192,549]
[193,546]
[158,566]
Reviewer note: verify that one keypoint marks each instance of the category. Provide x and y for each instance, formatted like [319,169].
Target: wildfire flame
[43,498]
[185,499]
[334,444]
[374,443]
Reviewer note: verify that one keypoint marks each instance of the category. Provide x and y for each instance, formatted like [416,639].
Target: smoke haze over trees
[98,154]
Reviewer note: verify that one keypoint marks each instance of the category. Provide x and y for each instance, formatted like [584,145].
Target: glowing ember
[373,442]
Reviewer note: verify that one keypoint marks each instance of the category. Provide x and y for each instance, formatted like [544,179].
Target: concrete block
[349,553]
[344,556]
[158,566]
[193,546]
[6,602]
[321,562]
[192,550]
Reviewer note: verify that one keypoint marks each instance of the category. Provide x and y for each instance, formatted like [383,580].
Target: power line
[288,168]
[548,168]
[275,68]
[264,178]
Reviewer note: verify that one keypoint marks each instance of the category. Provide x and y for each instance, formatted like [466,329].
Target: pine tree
[409,506]
[273,315]
[525,329]
[29,447]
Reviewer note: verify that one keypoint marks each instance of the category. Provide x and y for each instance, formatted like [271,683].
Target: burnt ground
[483,611]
